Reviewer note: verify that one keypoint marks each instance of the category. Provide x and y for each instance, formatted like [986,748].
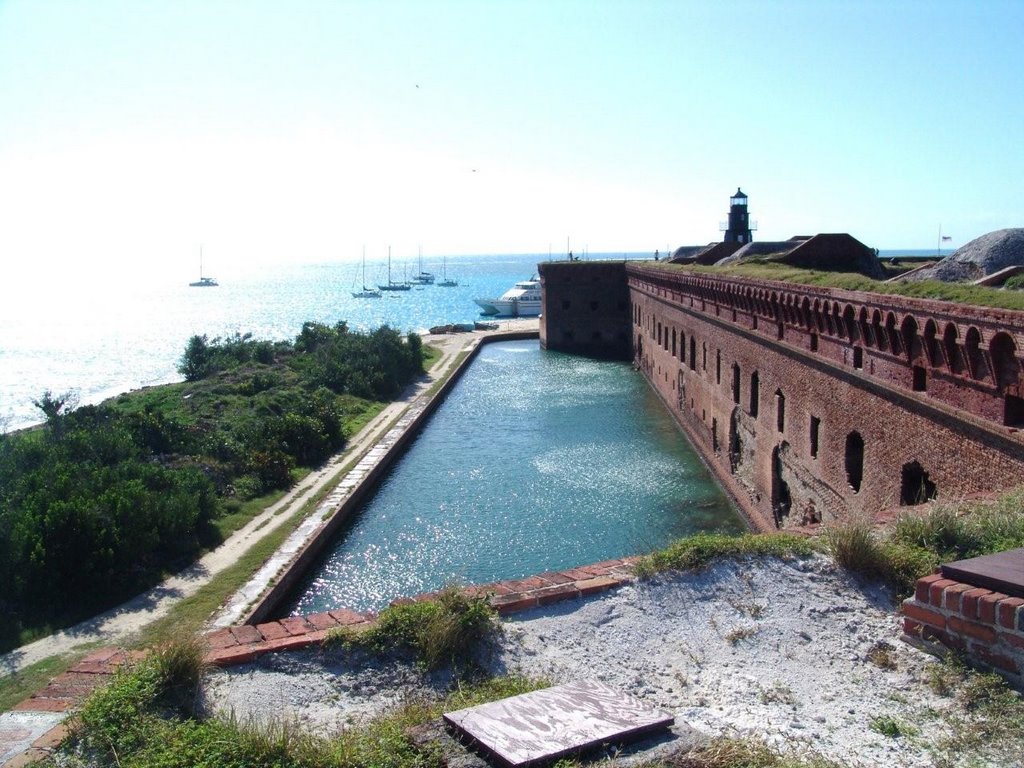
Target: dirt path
[120,623]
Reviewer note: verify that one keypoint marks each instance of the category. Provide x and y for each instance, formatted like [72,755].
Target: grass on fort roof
[959,293]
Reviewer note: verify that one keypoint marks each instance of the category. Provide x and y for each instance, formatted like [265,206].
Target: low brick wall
[243,643]
[987,626]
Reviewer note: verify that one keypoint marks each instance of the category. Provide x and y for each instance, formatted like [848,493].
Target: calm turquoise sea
[110,337]
[538,461]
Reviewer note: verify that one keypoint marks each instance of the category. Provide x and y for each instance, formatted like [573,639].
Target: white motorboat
[521,300]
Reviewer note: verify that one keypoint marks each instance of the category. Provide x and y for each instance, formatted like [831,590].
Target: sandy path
[119,624]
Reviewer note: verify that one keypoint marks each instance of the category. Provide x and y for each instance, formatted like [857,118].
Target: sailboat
[423,278]
[392,286]
[203,282]
[366,293]
[445,282]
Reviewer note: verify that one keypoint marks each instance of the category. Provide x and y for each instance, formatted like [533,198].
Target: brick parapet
[968,355]
[987,626]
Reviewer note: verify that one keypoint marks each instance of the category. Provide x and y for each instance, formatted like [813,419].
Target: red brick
[513,603]
[924,614]
[987,606]
[556,593]
[1007,612]
[79,679]
[322,620]
[53,737]
[346,617]
[969,602]
[42,705]
[972,629]
[953,595]
[936,590]
[527,584]
[101,655]
[93,668]
[993,659]
[1013,639]
[271,630]
[296,625]
[597,584]
[293,643]
[227,657]
[921,589]
[556,577]
[73,693]
[246,633]
[222,638]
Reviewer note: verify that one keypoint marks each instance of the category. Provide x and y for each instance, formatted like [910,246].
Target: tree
[55,407]
[195,362]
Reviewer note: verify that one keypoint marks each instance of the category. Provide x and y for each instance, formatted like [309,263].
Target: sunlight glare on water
[537,461]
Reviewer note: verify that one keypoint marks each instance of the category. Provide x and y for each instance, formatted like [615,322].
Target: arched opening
[849,320]
[890,334]
[931,343]
[1006,371]
[915,487]
[755,394]
[877,331]
[972,351]
[854,460]
[735,444]
[782,500]
[951,349]
[908,334]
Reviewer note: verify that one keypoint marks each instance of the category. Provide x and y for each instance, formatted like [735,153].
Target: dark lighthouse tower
[739,228]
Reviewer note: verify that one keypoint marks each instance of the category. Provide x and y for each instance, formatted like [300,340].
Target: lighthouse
[739,228]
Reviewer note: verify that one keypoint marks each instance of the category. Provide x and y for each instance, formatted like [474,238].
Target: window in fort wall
[736,383]
[854,460]
[755,394]
[718,366]
[815,436]
[915,486]
[780,410]
[920,379]
[858,357]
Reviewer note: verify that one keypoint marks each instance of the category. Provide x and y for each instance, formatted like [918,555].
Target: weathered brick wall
[861,399]
[586,308]
[987,625]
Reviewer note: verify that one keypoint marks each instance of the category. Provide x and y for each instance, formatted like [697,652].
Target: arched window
[931,343]
[908,334]
[1006,366]
[972,351]
[951,349]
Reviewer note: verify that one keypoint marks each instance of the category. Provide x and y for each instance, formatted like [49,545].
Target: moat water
[536,461]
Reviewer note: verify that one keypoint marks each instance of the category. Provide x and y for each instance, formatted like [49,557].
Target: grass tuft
[439,631]
[697,551]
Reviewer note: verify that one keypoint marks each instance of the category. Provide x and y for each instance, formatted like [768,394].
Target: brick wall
[586,308]
[987,625]
[821,403]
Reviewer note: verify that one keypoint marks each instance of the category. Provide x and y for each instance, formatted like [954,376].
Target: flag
[946,237]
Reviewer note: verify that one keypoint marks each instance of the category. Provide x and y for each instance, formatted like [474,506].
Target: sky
[134,133]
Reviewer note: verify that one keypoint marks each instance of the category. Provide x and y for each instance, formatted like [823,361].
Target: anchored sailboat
[203,282]
[445,281]
[366,293]
[393,286]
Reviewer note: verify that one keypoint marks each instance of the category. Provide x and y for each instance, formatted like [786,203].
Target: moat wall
[812,403]
[586,308]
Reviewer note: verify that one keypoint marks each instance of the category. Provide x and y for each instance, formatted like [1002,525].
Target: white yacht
[521,300]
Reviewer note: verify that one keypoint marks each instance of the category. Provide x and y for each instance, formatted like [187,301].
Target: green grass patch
[696,551]
[138,720]
[439,632]
[918,543]
[730,752]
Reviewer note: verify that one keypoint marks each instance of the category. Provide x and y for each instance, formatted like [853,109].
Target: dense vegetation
[103,500]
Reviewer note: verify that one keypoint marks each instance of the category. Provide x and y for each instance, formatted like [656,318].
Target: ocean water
[537,461]
[103,337]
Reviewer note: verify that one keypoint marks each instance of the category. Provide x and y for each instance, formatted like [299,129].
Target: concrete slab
[19,729]
[544,725]
[1001,572]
